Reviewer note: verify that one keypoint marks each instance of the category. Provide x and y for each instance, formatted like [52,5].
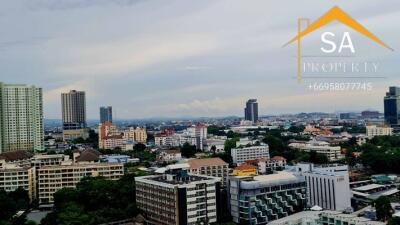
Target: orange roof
[197,163]
[246,167]
[278,158]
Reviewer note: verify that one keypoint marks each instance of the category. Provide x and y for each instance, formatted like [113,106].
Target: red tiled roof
[15,155]
[278,158]
[89,155]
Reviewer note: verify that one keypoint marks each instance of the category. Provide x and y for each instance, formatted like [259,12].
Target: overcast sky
[152,58]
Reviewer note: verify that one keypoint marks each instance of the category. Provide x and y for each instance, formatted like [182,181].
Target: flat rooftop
[162,179]
[368,187]
[282,175]
[188,179]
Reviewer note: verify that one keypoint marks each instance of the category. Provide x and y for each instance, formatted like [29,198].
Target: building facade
[331,152]
[178,198]
[73,110]
[264,198]
[374,130]
[13,176]
[251,110]
[328,186]
[242,154]
[214,167]
[136,134]
[21,118]
[391,104]
[106,114]
[53,178]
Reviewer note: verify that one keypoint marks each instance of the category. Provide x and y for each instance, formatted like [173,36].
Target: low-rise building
[13,176]
[242,154]
[72,134]
[264,198]
[167,156]
[53,178]
[321,147]
[215,145]
[215,167]
[177,198]
[373,130]
[268,165]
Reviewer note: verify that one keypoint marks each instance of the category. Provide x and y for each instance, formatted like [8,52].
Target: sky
[176,58]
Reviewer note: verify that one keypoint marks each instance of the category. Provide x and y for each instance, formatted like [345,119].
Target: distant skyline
[150,59]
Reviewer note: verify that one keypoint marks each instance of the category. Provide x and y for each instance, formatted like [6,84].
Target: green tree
[73,214]
[188,150]
[7,206]
[94,201]
[383,208]
[229,144]
[139,147]
[394,221]
[217,130]
[296,129]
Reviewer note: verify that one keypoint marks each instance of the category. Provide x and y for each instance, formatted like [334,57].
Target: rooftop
[278,158]
[368,187]
[197,163]
[281,175]
[15,155]
[245,167]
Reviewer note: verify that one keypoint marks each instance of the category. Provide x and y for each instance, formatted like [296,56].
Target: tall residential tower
[21,118]
[74,114]
[251,110]
[392,106]
[105,114]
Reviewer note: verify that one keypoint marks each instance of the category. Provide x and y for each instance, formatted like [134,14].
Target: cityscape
[131,112]
[306,168]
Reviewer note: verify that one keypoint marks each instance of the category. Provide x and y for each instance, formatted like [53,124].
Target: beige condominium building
[21,118]
[54,178]
[214,167]
[13,176]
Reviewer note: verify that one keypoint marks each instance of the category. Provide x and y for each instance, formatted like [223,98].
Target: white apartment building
[328,186]
[194,135]
[21,118]
[176,140]
[322,147]
[242,154]
[177,197]
[373,130]
[13,176]
[53,178]
[198,130]
[214,144]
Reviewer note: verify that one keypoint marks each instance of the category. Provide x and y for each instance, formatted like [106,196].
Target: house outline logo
[335,13]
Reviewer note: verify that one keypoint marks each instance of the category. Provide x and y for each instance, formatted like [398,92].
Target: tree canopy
[95,200]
